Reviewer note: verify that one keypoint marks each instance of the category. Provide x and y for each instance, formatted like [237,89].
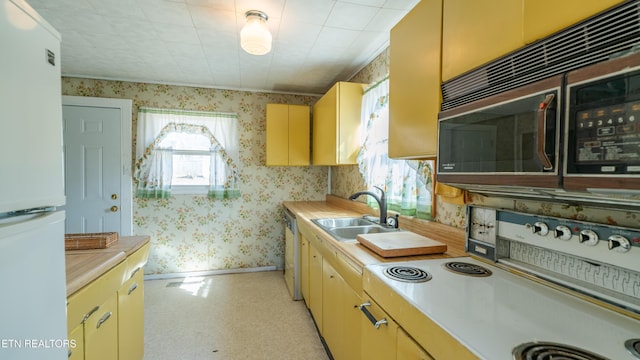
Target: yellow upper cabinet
[288,135]
[336,125]
[414,82]
[545,17]
[476,32]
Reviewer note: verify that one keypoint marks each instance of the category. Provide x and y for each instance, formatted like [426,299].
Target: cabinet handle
[134,272]
[132,288]
[103,319]
[374,322]
[88,315]
[69,353]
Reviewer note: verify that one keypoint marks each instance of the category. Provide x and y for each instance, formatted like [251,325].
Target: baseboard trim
[207,273]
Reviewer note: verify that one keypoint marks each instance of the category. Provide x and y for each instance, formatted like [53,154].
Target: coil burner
[407,274]
[633,345]
[549,351]
[464,268]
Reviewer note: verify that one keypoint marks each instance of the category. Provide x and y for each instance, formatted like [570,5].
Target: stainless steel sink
[347,229]
[342,222]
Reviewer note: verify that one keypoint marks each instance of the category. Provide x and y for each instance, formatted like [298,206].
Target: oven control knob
[619,243]
[562,232]
[540,228]
[588,237]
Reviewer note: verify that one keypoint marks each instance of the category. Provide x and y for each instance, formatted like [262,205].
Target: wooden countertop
[127,244]
[84,266]
[336,207]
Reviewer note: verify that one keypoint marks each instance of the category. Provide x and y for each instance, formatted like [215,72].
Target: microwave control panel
[605,126]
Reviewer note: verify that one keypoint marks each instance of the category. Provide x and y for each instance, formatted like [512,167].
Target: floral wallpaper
[193,233]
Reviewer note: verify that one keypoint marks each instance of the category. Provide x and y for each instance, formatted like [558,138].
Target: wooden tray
[403,243]
[89,240]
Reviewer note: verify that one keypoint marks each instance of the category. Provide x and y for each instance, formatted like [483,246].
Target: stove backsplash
[599,260]
[603,278]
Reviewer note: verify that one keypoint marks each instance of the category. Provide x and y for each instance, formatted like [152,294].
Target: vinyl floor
[227,317]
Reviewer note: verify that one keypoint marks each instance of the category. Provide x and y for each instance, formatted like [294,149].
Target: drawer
[87,300]
[137,260]
[350,272]
[101,331]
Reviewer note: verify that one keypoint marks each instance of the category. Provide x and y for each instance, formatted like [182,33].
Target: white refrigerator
[32,261]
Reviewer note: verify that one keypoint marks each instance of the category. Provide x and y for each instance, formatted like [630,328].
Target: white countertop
[492,315]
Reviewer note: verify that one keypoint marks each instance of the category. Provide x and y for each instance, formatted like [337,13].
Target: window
[186,152]
[408,183]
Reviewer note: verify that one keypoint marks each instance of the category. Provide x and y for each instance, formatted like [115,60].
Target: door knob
[114,196]
[114,208]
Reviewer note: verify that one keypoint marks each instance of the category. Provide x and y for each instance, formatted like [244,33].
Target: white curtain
[408,183]
[154,162]
[154,174]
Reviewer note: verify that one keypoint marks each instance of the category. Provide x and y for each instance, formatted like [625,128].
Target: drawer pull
[132,288]
[134,272]
[69,353]
[88,315]
[374,322]
[103,319]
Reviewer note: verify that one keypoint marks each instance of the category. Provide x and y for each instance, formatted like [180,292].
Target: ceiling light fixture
[255,37]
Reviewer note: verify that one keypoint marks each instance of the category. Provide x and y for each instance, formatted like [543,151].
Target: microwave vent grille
[612,33]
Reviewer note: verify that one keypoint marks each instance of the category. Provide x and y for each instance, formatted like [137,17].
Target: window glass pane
[185,141]
[190,169]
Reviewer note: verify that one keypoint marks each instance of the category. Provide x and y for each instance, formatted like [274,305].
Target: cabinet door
[101,331]
[336,125]
[277,135]
[76,343]
[325,136]
[414,85]
[352,336]
[299,135]
[131,318]
[378,343]
[349,120]
[545,17]
[315,285]
[409,349]
[341,316]
[332,322]
[304,268]
[476,32]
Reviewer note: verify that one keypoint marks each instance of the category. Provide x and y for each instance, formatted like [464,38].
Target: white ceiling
[196,42]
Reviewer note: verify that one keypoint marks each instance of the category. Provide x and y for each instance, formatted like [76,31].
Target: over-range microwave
[577,132]
[509,139]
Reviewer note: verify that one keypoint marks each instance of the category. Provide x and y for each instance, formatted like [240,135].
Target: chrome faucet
[382,203]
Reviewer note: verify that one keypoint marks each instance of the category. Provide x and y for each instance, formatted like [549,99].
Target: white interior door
[97,176]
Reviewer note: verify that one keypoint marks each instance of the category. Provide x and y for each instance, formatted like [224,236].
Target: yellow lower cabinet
[304,268]
[101,331]
[409,349]
[76,343]
[131,318]
[315,285]
[379,332]
[331,299]
[341,319]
